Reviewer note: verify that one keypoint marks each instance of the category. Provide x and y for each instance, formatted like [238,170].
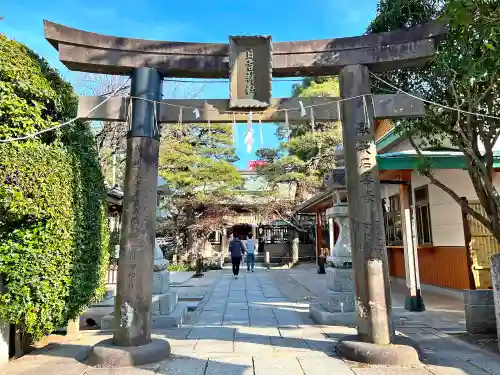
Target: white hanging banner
[196,112]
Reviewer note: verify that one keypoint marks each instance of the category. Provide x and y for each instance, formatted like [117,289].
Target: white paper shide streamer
[313,123]
[302,109]
[287,125]
[249,134]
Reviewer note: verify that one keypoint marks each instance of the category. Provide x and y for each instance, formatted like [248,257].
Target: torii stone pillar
[369,255]
[371,272]
[131,343]
[134,290]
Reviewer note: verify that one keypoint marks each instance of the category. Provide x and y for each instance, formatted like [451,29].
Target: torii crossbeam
[385,106]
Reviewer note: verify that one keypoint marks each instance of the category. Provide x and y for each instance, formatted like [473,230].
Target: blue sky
[190,21]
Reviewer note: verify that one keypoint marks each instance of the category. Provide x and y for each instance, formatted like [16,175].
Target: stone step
[167,312]
[174,319]
[340,279]
[340,301]
[320,316]
[161,282]
[164,304]
[107,322]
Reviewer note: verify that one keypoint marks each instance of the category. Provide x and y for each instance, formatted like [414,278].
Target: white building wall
[446,214]
[387,191]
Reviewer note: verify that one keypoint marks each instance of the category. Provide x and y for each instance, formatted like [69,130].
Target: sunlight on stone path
[244,326]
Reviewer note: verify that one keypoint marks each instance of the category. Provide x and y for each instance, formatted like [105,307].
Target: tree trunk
[190,235]
[300,193]
[21,342]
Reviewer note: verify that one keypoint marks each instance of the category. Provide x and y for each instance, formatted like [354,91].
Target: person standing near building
[251,247]
[236,251]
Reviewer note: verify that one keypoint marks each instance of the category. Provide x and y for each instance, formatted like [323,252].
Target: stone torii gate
[250,63]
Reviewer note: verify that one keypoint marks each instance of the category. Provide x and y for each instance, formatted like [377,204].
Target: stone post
[133,307]
[413,301]
[373,299]
[4,336]
[320,257]
[331,232]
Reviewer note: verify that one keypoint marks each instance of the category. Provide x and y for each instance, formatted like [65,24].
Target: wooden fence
[482,247]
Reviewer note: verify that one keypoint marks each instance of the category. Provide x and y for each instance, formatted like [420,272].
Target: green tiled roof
[438,160]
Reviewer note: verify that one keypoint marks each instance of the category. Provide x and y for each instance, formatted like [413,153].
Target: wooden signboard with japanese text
[250,62]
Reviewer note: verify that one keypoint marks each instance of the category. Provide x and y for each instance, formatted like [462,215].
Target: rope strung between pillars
[301,108]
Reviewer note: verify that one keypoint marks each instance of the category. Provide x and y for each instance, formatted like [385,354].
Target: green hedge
[54,239]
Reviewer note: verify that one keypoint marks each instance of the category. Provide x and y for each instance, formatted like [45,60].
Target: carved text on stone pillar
[249,74]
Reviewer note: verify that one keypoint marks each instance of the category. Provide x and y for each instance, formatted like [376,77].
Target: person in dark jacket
[236,250]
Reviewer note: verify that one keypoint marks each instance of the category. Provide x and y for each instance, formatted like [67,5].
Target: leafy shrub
[53,227]
[181,267]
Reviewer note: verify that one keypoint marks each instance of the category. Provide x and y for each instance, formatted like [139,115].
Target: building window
[306,237]
[214,237]
[422,215]
[392,219]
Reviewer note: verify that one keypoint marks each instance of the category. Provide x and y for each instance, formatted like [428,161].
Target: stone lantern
[339,274]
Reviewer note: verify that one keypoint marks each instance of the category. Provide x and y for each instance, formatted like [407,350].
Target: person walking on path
[236,250]
[251,247]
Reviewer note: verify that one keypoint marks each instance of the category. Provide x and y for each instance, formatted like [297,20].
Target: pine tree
[196,161]
[304,155]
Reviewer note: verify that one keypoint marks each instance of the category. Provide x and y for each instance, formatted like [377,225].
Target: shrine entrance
[241,230]
[249,63]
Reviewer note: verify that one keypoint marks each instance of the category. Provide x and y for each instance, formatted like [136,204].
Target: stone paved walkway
[259,325]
